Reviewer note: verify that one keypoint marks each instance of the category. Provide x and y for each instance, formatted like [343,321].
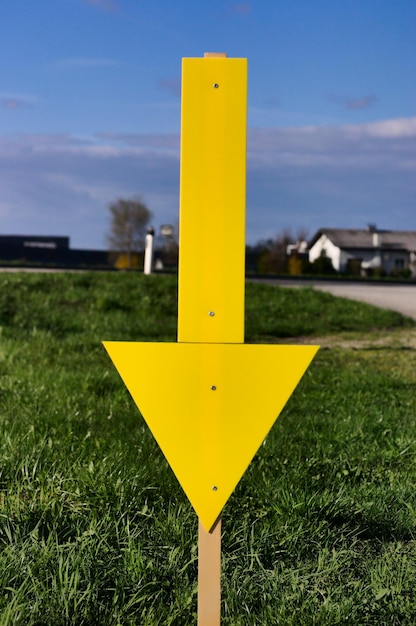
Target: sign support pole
[209,575]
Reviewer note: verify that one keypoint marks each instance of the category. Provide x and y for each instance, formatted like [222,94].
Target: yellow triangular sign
[209,406]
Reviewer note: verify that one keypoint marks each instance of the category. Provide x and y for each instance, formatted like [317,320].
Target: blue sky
[90,110]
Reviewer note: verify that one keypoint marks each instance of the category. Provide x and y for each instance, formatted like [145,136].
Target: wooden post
[209,575]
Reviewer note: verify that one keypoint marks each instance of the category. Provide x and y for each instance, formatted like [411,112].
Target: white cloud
[15,101]
[172,85]
[241,9]
[112,6]
[355,103]
[296,177]
[397,128]
[63,185]
[83,63]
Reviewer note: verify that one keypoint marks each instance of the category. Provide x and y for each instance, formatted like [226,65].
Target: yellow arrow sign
[209,399]
[211,408]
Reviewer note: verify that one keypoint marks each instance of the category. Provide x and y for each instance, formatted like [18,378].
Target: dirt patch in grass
[393,339]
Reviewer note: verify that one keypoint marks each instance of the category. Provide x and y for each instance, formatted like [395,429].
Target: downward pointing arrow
[220,397]
[218,403]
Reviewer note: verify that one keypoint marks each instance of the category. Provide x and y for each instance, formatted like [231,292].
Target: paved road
[400,298]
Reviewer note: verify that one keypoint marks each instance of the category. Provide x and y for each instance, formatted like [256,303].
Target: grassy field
[94,529]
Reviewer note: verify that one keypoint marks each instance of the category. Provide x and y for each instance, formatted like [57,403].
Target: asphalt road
[400,298]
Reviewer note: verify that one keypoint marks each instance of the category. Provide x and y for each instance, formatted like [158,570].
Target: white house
[371,248]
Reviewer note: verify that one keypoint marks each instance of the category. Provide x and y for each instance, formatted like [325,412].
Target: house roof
[348,238]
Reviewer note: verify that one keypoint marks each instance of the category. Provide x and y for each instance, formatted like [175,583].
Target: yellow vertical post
[212,241]
[212,200]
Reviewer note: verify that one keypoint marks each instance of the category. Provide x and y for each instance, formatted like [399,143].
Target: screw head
[213,388]
[215,85]
[214,488]
[211,313]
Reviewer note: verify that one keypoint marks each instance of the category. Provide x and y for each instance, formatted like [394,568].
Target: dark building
[48,251]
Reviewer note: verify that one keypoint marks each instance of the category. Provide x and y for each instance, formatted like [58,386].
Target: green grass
[94,528]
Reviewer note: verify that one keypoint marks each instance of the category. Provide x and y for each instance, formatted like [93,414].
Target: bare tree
[129,219]
[274,257]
